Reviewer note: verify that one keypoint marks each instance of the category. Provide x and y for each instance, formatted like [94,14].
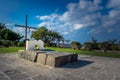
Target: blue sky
[76,20]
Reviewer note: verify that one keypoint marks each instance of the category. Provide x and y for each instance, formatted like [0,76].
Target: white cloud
[114,13]
[9,24]
[96,2]
[65,33]
[47,17]
[85,14]
[78,26]
[114,4]
[44,17]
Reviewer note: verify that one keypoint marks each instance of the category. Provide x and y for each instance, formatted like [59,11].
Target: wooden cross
[26,27]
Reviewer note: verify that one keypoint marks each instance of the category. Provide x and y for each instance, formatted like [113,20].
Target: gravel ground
[86,68]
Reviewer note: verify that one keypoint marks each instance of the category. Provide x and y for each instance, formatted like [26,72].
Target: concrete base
[53,59]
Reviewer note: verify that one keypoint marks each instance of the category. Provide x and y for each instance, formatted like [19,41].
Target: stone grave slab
[53,59]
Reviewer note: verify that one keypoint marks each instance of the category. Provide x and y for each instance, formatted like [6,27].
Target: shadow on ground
[77,64]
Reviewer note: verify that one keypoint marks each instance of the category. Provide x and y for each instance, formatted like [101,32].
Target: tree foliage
[7,34]
[46,35]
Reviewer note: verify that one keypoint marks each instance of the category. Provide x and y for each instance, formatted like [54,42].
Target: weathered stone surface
[53,59]
[101,68]
[74,57]
[30,55]
[41,77]
[41,58]
[58,59]
[15,74]
[2,77]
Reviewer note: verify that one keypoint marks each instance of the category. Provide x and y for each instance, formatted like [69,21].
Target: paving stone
[101,69]
[2,77]
[4,67]
[41,77]
[12,72]
[19,77]
[117,78]
[15,74]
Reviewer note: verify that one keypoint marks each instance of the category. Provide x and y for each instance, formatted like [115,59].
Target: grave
[50,58]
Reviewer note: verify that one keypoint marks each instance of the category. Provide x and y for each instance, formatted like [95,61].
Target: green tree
[7,34]
[40,34]
[48,36]
[2,26]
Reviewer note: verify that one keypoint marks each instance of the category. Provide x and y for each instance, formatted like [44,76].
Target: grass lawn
[94,53]
[10,49]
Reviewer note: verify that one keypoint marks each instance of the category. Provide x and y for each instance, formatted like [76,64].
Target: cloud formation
[86,14]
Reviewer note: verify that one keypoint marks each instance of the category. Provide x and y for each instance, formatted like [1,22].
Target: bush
[114,47]
[95,46]
[15,43]
[104,46]
[0,43]
[20,44]
[87,46]
[76,45]
[6,43]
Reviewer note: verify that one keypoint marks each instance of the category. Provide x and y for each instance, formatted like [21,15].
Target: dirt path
[87,68]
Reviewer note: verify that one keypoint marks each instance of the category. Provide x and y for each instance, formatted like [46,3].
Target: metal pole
[26,31]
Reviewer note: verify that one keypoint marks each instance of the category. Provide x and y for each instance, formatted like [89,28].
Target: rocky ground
[87,68]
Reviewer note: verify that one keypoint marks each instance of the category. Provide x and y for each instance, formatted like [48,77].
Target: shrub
[95,46]
[76,45]
[87,46]
[104,46]
[15,43]
[20,44]
[114,47]
[0,43]
[6,43]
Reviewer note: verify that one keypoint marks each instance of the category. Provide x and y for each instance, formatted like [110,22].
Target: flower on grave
[37,47]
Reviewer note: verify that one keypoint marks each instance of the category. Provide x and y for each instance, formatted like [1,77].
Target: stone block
[58,59]
[27,55]
[74,57]
[41,58]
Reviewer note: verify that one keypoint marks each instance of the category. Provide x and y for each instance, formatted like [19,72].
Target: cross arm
[25,26]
